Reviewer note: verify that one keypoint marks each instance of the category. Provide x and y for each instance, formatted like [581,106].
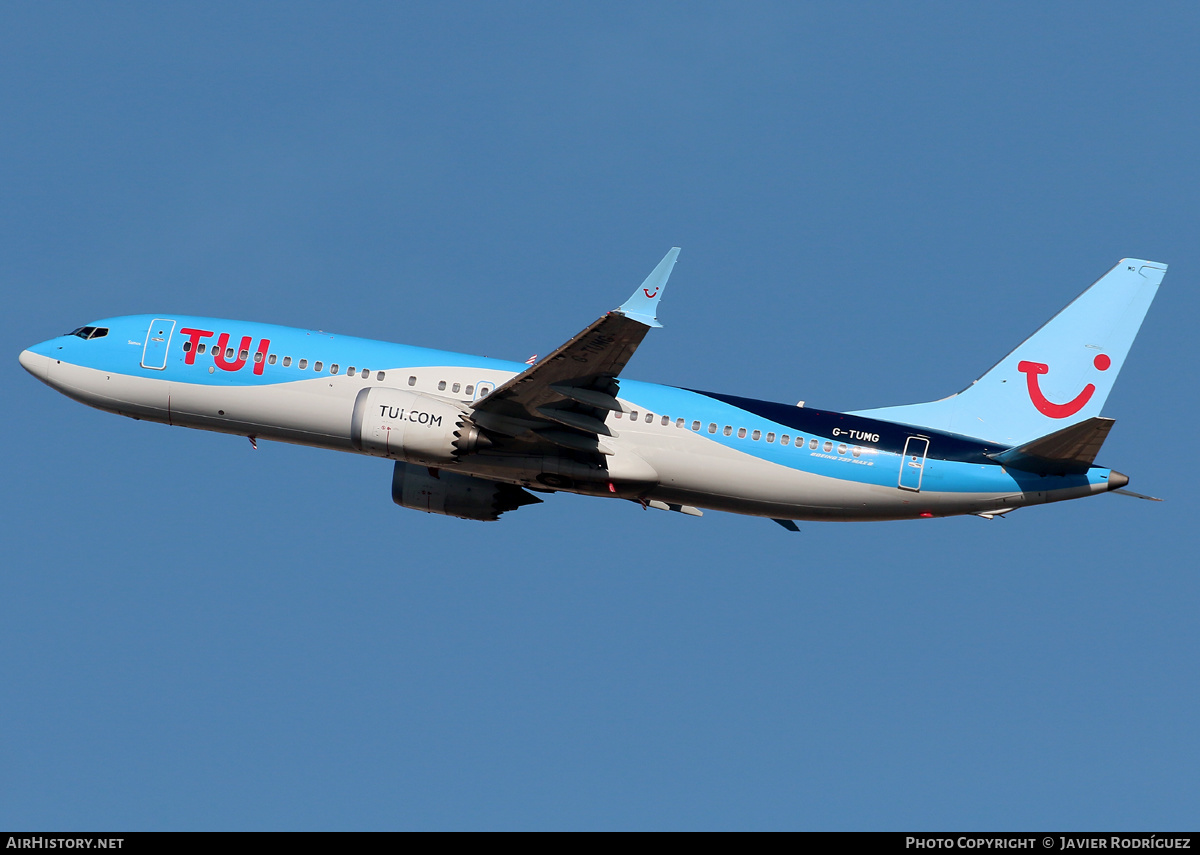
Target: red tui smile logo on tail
[1046,407]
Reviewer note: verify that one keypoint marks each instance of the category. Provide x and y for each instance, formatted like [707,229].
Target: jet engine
[454,494]
[420,428]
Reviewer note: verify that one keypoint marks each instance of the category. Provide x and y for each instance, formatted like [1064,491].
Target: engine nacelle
[454,494]
[410,426]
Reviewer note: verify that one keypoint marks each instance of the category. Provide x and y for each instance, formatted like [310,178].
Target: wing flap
[577,420]
[574,441]
[590,397]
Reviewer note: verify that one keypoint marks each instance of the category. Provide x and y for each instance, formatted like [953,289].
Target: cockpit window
[90,332]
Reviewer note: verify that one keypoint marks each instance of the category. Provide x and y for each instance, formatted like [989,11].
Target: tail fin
[1059,376]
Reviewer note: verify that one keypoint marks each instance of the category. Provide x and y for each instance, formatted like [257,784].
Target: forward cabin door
[158,341]
[912,463]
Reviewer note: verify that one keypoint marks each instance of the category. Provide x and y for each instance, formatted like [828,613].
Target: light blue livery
[473,437]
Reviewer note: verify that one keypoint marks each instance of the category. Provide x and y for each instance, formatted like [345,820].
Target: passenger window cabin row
[272,358]
[727,430]
[454,389]
[319,366]
[754,435]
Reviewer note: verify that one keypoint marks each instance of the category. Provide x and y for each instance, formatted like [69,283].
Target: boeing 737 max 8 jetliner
[471,436]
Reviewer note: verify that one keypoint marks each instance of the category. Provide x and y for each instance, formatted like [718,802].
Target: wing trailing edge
[564,399]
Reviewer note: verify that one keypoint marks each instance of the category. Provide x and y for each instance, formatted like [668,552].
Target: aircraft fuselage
[669,447]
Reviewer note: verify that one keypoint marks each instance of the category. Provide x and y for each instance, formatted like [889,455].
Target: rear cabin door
[158,340]
[912,463]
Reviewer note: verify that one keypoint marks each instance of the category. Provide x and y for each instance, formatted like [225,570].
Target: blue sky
[875,203]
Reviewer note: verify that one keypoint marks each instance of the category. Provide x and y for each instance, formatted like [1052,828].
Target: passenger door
[158,342]
[912,463]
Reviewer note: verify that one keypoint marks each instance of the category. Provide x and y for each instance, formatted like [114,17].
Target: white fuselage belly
[687,469]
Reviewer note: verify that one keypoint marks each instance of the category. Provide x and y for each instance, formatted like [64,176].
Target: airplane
[473,437]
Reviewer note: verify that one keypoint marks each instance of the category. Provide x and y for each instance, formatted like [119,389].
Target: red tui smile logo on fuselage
[1046,407]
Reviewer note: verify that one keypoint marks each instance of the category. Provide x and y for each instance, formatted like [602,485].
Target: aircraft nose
[35,363]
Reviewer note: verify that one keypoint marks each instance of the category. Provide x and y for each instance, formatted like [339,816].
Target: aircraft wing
[565,398]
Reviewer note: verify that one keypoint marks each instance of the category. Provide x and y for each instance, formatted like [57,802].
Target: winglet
[644,302]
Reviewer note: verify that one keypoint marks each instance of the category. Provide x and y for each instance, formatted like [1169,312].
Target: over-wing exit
[474,437]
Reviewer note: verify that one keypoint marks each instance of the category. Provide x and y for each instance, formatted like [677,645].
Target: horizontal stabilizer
[1137,495]
[1069,451]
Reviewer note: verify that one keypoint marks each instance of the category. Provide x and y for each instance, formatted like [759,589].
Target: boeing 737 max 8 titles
[471,436]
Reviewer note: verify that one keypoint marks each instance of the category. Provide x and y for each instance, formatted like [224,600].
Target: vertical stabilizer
[1059,376]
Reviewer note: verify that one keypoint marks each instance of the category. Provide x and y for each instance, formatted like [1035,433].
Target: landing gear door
[912,463]
[158,341]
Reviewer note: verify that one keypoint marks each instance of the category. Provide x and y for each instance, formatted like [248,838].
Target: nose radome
[34,363]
